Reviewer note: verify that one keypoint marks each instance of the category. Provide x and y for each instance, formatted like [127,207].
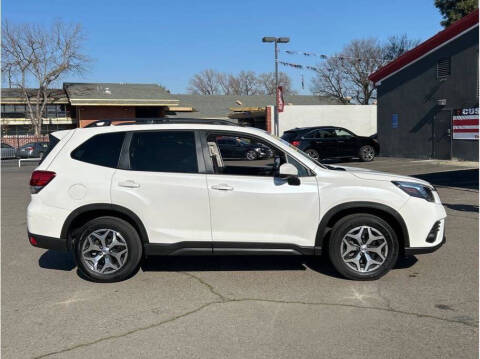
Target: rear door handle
[222,187]
[129,184]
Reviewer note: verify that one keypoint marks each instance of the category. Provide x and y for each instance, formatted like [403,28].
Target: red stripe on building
[465,130]
[465,122]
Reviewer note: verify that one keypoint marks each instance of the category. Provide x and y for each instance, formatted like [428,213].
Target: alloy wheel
[104,251]
[368,153]
[313,154]
[364,249]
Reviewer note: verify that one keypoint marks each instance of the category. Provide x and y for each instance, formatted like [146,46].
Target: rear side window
[102,150]
[163,151]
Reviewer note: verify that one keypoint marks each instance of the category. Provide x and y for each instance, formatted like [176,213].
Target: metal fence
[20,140]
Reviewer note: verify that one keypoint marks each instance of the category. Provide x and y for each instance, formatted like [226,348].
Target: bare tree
[248,82]
[331,80]
[39,56]
[211,82]
[266,83]
[205,83]
[345,75]
[397,45]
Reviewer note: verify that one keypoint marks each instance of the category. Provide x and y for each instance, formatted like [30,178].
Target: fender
[359,207]
[105,207]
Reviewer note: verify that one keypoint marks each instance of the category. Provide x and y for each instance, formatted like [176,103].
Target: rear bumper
[57,244]
[423,250]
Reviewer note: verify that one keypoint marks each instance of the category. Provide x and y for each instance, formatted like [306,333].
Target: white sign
[465,124]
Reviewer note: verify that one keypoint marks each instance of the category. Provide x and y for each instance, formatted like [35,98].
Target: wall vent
[443,68]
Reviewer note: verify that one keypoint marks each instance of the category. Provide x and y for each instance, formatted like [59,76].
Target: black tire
[313,153]
[131,239]
[366,153]
[348,223]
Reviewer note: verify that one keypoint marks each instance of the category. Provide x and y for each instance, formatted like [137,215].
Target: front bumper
[410,251]
[57,244]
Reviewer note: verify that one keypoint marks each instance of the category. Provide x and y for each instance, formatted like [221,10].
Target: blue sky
[166,42]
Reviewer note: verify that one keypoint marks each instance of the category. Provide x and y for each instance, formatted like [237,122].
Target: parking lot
[247,307]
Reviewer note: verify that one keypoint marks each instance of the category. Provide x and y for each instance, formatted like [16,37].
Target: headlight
[416,190]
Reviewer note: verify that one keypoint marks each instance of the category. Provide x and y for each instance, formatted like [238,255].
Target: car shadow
[459,178]
[462,207]
[57,260]
[320,264]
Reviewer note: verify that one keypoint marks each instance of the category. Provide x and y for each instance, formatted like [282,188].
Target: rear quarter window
[289,136]
[102,150]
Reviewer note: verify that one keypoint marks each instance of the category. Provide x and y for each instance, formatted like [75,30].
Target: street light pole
[276,41]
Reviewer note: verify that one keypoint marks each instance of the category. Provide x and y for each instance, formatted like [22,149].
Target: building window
[443,68]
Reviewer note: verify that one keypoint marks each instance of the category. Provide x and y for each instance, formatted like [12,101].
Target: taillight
[40,179]
[29,148]
[296,143]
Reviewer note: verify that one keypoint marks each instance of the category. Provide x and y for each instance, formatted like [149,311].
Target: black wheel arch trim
[362,207]
[103,207]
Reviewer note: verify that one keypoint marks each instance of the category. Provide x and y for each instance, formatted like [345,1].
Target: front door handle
[222,187]
[129,184]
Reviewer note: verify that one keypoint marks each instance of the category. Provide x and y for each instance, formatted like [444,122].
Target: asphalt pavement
[246,307]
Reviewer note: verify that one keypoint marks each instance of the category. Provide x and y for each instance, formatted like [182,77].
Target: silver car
[7,151]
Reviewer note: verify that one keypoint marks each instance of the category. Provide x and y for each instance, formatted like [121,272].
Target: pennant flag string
[325,57]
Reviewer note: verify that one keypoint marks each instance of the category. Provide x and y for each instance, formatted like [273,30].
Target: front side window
[325,133]
[102,150]
[163,151]
[340,132]
[243,155]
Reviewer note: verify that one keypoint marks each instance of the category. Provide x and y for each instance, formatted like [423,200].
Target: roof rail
[165,120]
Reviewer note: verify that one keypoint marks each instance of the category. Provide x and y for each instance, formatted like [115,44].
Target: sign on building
[465,124]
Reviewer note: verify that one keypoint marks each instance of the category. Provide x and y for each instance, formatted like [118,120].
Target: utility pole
[276,41]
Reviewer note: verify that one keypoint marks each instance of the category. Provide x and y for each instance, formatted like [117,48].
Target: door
[161,183]
[442,135]
[347,143]
[249,204]
[324,141]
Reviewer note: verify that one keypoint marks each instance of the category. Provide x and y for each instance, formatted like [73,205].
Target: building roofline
[455,30]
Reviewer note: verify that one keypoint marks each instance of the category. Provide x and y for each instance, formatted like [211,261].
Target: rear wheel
[366,153]
[108,249]
[313,154]
[363,247]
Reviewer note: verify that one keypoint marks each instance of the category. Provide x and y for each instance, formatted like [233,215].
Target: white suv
[115,194]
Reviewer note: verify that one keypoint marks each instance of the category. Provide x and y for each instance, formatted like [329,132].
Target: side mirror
[290,173]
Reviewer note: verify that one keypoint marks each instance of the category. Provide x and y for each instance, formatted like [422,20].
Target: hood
[380,176]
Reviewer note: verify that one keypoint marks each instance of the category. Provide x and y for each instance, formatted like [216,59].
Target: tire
[366,153]
[251,155]
[313,153]
[384,245]
[112,263]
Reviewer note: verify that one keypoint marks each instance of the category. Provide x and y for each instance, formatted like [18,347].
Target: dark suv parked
[332,142]
[234,148]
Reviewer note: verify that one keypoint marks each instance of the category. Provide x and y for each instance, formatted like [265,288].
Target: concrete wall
[360,119]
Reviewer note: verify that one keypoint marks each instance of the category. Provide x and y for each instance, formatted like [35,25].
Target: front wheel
[363,247]
[366,153]
[109,249]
